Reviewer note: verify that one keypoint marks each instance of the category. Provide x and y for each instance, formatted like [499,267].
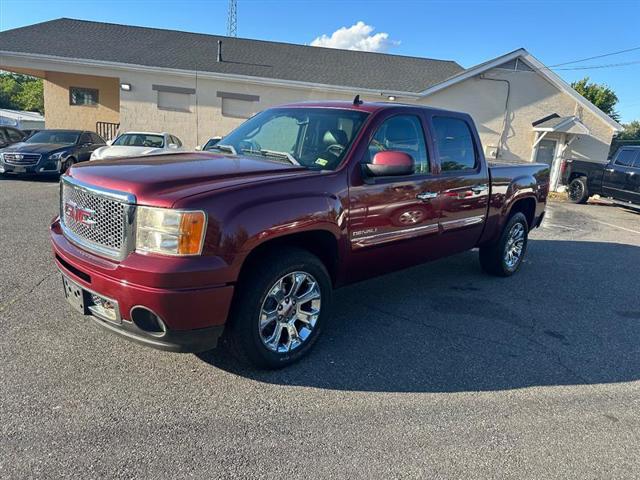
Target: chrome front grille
[21,158]
[97,219]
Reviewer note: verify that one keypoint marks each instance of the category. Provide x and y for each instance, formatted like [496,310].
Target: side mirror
[109,142]
[198,148]
[390,163]
[173,145]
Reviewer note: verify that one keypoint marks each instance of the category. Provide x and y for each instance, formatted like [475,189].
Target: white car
[136,144]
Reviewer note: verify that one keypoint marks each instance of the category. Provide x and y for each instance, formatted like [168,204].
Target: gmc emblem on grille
[79,214]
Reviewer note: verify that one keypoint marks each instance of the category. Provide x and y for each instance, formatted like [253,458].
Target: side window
[3,136]
[455,144]
[625,158]
[402,133]
[14,135]
[636,162]
[85,138]
[97,139]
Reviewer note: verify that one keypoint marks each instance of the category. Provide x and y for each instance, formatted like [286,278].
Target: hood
[36,147]
[161,180]
[119,151]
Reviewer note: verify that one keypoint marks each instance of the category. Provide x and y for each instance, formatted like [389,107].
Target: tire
[64,166]
[267,287]
[500,258]
[577,191]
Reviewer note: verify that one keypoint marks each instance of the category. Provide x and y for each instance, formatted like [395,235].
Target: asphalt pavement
[435,372]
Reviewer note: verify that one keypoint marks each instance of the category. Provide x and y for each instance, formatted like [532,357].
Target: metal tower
[232,19]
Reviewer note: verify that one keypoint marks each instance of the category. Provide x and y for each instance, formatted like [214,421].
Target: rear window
[455,144]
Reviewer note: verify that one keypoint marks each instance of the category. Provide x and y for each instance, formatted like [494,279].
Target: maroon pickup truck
[251,240]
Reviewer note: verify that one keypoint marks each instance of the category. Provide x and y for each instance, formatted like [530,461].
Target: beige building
[107,77]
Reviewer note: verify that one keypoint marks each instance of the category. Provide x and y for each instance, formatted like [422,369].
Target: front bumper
[43,166]
[194,315]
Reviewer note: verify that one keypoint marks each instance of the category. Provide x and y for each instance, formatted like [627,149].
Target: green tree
[21,92]
[631,131]
[600,95]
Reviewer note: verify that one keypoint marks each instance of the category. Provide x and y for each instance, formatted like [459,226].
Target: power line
[588,67]
[597,56]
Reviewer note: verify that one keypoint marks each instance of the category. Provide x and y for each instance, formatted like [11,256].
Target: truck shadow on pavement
[570,316]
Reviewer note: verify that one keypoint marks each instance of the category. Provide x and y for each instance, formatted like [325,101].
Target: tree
[631,131]
[599,94]
[21,92]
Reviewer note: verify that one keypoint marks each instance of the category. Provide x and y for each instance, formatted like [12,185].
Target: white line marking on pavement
[616,226]
[555,225]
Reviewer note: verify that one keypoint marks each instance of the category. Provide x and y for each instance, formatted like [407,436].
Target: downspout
[505,120]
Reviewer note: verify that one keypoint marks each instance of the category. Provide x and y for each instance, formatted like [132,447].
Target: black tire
[493,258]
[244,332]
[577,191]
[66,164]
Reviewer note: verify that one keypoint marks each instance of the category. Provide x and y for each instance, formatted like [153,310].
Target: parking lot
[435,372]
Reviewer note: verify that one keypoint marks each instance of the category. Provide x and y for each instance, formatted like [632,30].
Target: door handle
[426,196]
[610,170]
[477,189]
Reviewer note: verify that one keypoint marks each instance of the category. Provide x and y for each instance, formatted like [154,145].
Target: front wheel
[504,257]
[280,309]
[66,164]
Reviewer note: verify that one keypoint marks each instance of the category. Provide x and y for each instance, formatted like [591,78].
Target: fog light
[146,320]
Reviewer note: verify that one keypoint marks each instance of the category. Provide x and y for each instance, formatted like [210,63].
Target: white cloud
[356,37]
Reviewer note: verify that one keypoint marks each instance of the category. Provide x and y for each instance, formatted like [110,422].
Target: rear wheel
[577,190]
[280,309]
[504,257]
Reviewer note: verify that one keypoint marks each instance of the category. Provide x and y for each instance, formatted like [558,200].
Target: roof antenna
[219,50]
[357,101]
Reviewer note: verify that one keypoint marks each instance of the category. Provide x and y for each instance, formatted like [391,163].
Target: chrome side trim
[385,237]
[462,222]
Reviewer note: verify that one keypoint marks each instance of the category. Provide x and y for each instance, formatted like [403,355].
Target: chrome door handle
[426,196]
[477,189]
[610,170]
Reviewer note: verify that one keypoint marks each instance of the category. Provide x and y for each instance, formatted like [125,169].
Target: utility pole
[232,19]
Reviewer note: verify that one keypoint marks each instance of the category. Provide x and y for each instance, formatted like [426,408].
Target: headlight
[170,232]
[56,156]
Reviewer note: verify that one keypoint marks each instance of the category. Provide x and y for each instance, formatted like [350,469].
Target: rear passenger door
[463,196]
[633,180]
[618,176]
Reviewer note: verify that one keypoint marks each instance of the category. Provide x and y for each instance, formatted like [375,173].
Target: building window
[178,102]
[238,105]
[83,96]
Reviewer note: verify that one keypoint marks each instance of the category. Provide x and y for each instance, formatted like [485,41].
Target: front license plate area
[76,296]
[20,169]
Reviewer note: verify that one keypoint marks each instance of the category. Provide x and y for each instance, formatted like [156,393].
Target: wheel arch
[319,242]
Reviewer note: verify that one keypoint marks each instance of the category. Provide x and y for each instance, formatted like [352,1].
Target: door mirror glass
[390,163]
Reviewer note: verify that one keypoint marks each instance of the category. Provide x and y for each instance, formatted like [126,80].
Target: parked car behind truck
[175,251]
[619,179]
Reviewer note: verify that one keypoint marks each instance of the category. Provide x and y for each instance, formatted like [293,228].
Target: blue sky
[468,32]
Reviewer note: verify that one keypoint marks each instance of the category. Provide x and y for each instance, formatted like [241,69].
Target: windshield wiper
[225,148]
[275,154]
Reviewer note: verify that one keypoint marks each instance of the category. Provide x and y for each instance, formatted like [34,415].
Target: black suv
[49,151]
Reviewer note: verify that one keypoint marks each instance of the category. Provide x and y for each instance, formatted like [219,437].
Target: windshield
[66,138]
[316,138]
[139,140]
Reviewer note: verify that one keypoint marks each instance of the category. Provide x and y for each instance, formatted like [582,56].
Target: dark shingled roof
[153,47]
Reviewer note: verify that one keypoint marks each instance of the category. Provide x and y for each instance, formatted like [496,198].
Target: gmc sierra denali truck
[251,240]
[619,179]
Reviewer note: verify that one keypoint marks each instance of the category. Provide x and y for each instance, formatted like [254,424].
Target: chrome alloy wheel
[289,312]
[515,246]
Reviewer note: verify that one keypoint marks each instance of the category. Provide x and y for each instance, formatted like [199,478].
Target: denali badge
[78,214]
